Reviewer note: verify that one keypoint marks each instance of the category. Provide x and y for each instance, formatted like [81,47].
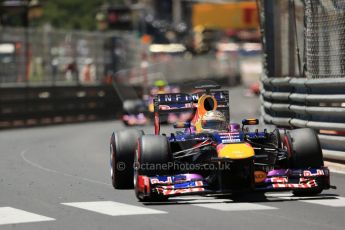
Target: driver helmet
[160,84]
[213,121]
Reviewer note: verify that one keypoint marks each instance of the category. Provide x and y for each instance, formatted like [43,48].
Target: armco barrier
[51,104]
[314,103]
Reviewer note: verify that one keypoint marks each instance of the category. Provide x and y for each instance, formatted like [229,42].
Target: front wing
[276,180]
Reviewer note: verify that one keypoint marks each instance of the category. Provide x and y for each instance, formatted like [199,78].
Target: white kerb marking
[114,208]
[10,215]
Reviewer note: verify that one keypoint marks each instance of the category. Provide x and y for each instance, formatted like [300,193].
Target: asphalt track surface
[57,177]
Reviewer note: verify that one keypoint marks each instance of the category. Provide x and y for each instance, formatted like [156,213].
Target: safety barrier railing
[45,105]
[314,103]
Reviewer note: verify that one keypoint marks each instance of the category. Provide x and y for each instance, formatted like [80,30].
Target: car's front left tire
[153,158]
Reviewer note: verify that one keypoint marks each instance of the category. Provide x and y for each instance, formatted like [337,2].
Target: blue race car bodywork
[193,161]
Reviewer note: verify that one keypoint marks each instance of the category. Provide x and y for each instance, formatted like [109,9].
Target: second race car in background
[140,111]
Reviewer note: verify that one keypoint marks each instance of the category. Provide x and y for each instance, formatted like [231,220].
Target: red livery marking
[199,183]
[169,187]
[310,184]
[164,107]
[143,181]
[308,173]
[159,190]
[202,143]
[219,147]
[157,181]
[287,144]
[303,180]
[279,180]
[154,181]
[181,191]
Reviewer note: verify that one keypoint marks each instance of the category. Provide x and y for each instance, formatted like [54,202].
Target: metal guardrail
[314,103]
[41,104]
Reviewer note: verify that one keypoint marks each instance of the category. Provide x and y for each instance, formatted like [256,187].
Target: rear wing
[172,102]
[182,102]
[175,102]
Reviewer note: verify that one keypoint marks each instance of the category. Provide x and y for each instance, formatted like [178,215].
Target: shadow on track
[241,198]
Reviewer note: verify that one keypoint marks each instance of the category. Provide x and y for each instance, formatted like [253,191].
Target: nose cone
[235,151]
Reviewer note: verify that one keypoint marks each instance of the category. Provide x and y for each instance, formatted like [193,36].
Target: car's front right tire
[306,153]
[122,150]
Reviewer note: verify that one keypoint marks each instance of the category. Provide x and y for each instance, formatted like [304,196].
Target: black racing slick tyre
[152,158]
[306,149]
[122,151]
[306,153]
[154,151]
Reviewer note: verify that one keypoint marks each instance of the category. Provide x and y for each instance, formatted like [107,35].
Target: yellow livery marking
[236,151]
[151,108]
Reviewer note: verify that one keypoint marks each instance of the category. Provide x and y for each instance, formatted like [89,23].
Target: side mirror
[180,125]
[250,121]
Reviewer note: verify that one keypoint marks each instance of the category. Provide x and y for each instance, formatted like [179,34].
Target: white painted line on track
[221,204]
[322,199]
[112,208]
[234,206]
[290,196]
[333,202]
[22,154]
[10,215]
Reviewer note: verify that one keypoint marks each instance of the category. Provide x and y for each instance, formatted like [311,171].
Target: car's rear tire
[306,153]
[152,158]
[122,151]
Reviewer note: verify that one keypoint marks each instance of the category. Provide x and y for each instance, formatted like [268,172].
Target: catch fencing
[46,56]
[325,38]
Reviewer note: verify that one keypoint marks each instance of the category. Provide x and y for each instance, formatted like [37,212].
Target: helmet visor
[214,125]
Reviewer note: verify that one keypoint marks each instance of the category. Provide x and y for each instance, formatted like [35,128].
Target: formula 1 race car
[135,112]
[213,156]
[140,111]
